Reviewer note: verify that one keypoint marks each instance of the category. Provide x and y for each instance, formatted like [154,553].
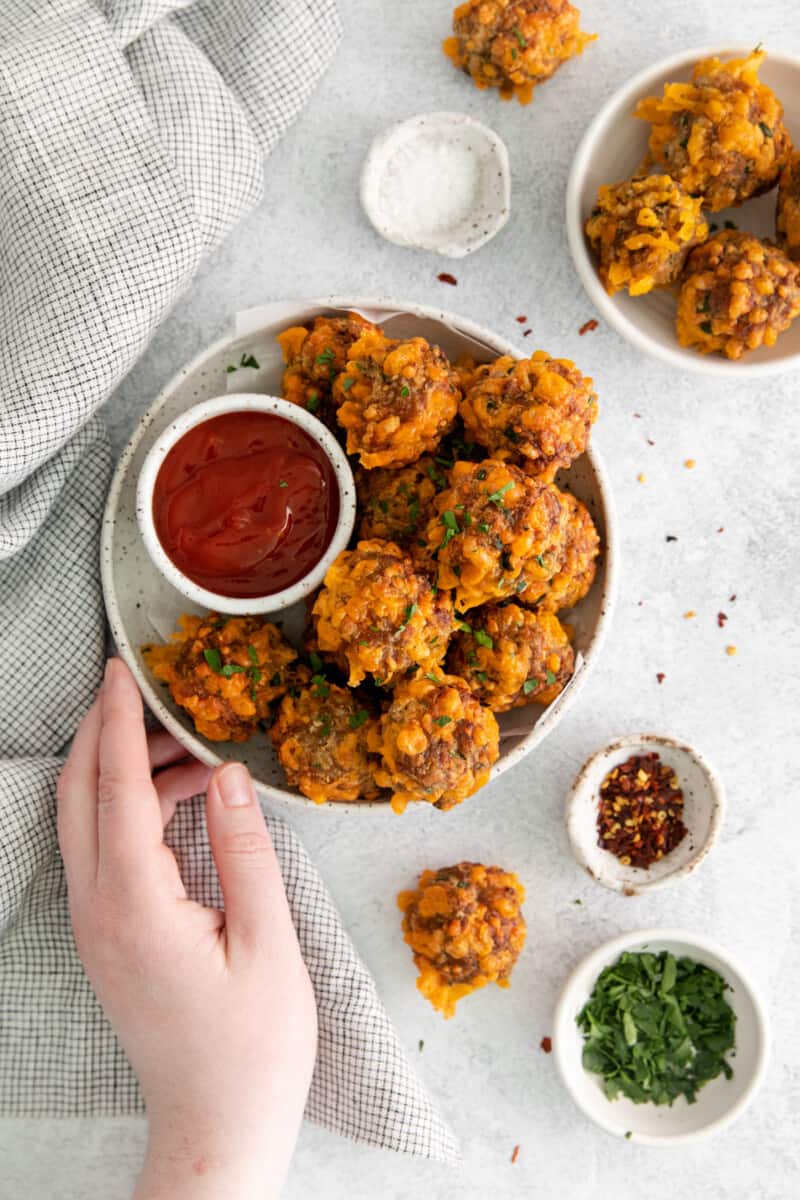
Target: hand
[214,1010]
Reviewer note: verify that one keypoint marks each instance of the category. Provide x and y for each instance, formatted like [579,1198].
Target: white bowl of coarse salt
[439,181]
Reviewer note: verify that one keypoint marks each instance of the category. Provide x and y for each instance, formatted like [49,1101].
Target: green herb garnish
[357,719]
[408,614]
[214,659]
[282,483]
[482,638]
[765,129]
[497,497]
[405,391]
[522,40]
[327,356]
[442,721]
[706,326]
[321,686]
[530,685]
[451,527]
[347,383]
[249,360]
[550,677]
[312,403]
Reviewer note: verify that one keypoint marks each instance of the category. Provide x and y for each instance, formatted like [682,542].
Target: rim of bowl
[618,745]
[584,264]
[198,414]
[592,964]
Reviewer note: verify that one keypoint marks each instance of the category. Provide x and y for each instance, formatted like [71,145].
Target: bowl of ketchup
[244,502]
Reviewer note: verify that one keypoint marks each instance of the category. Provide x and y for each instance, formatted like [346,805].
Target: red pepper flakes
[721,619]
[721,529]
[732,598]
[446,277]
[640,815]
[661,677]
[515,1154]
[546,1044]
[527,332]
[650,442]
[588,327]
[521,320]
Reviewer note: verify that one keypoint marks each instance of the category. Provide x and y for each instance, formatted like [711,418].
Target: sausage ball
[721,136]
[511,656]
[320,735]
[641,231]
[466,929]
[496,533]
[378,614]
[580,548]
[436,742]
[514,44]
[226,672]
[787,216]
[396,400]
[535,412]
[314,356]
[738,293]
[395,505]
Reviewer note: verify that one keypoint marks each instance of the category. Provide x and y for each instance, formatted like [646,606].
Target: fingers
[180,782]
[77,801]
[163,749]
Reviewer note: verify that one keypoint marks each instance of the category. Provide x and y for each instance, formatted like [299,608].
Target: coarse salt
[431,185]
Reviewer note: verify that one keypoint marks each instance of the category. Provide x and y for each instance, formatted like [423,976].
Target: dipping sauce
[246,504]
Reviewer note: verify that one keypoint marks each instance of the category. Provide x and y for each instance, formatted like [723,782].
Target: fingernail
[235,786]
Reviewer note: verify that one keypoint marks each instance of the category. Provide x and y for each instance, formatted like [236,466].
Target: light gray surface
[308,237]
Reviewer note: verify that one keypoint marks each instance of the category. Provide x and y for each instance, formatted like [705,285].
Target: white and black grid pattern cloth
[132,137]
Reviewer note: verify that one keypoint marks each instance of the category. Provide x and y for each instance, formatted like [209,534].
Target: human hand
[214,1010]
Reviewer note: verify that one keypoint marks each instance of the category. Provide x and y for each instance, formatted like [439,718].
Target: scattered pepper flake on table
[446,277]
[587,327]
[661,677]
[688,616]
[515,1154]
[421,1045]
[732,598]
[521,320]
[641,478]
[730,651]
[640,815]
[650,442]
[690,464]
[671,537]
[546,1044]
[721,619]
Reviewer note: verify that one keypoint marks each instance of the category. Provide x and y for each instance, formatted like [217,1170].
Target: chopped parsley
[442,721]
[530,685]
[550,677]
[433,678]
[321,686]
[408,614]
[214,659]
[482,638]
[451,527]
[520,38]
[357,719]
[765,129]
[497,497]
[464,626]
[317,664]
[282,483]
[405,391]
[327,356]
[706,326]
[312,403]
[249,360]
[347,383]
[325,726]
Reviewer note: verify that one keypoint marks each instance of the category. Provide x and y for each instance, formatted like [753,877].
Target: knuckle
[252,847]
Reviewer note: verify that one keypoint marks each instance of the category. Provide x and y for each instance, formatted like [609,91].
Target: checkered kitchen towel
[132,134]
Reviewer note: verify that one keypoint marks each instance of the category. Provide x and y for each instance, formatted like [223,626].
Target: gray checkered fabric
[132,137]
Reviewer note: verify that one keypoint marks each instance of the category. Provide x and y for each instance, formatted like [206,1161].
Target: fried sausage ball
[641,231]
[378,614]
[436,742]
[720,136]
[535,412]
[314,356]
[395,505]
[738,293]
[320,735]
[511,656]
[396,400]
[514,44]
[466,929]
[581,545]
[226,672]
[496,533]
[787,216]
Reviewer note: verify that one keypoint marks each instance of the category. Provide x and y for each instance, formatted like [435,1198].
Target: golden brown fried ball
[720,136]
[641,231]
[436,742]
[497,533]
[787,216]
[396,400]
[466,929]
[226,672]
[535,412]
[514,44]
[395,505]
[378,614]
[581,546]
[738,293]
[314,356]
[511,656]
[320,735]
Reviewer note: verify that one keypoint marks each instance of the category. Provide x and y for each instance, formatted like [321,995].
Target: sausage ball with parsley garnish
[511,656]
[436,742]
[720,136]
[641,231]
[395,505]
[580,548]
[738,293]
[378,614]
[787,217]
[320,735]
[396,399]
[466,929]
[535,412]
[497,533]
[314,356]
[226,672]
[514,44]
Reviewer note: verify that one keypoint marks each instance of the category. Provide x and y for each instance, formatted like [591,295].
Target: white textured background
[307,238]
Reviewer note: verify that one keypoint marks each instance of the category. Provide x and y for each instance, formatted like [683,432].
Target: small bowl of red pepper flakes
[643,812]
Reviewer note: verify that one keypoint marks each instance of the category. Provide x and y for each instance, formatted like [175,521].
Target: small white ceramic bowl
[719,1103]
[196,415]
[465,148]
[704,803]
[611,149]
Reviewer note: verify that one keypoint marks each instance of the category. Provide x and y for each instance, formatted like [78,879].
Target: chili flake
[640,815]
[721,619]
[588,327]
[446,277]
[522,320]
[661,677]
[546,1044]
[515,1154]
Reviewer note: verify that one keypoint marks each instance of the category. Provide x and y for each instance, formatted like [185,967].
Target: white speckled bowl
[704,804]
[719,1103]
[611,149]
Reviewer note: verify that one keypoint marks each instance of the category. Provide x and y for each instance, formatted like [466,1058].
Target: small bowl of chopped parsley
[660,1037]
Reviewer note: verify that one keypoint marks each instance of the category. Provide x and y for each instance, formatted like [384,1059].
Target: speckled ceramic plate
[142,607]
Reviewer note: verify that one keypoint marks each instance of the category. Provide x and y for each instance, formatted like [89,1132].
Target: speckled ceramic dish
[143,607]
[704,803]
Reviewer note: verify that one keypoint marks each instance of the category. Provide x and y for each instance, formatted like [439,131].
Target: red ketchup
[246,504]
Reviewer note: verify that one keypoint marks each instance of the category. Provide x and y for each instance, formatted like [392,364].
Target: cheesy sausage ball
[580,547]
[378,614]
[436,742]
[514,44]
[320,735]
[466,929]
[314,356]
[396,505]
[738,293]
[535,412]
[396,400]
[511,656]
[226,672]
[720,136]
[641,231]
[496,533]
[787,217]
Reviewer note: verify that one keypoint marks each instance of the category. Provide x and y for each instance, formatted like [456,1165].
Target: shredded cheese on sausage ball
[320,735]
[787,216]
